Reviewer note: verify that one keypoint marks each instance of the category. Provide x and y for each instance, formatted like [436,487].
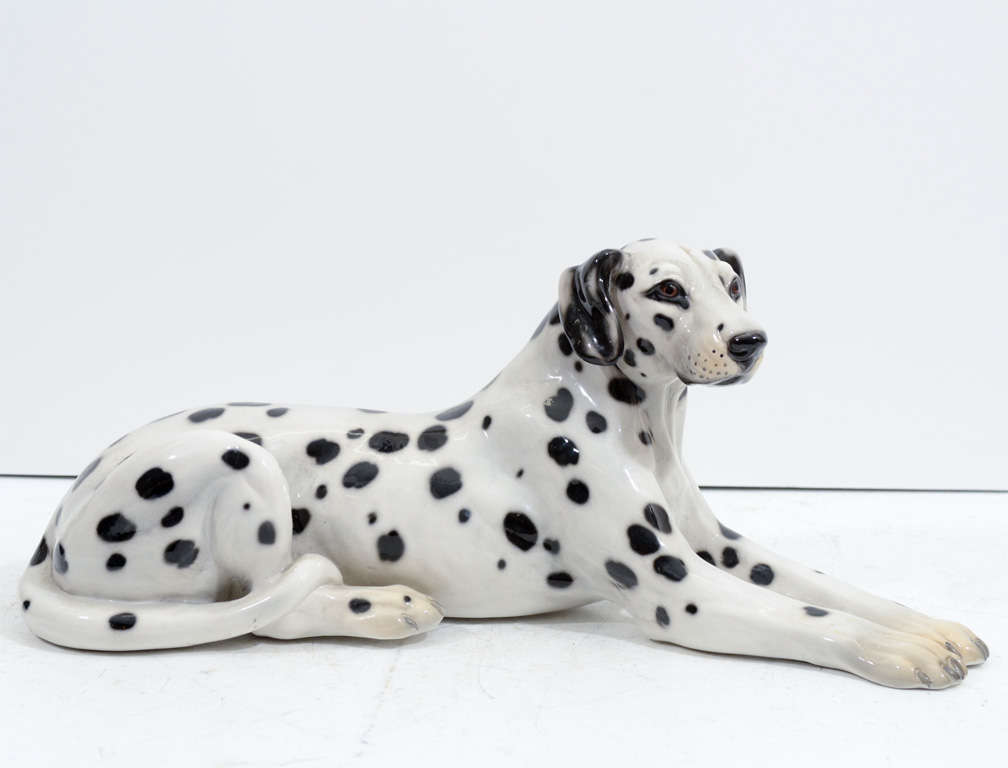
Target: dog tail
[99,624]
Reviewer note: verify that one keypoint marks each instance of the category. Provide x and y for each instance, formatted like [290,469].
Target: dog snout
[744,347]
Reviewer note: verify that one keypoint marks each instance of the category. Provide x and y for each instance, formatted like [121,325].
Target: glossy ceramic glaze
[560,483]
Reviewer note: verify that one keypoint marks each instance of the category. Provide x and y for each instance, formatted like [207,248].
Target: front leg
[753,563]
[631,554]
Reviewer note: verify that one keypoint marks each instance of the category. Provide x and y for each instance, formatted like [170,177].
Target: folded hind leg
[381,613]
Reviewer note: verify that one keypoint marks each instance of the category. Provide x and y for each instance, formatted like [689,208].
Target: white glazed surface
[560,483]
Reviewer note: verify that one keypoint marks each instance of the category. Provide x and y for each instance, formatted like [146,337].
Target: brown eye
[669,291]
[735,289]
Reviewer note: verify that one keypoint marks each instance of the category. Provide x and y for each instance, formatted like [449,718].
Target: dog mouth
[748,370]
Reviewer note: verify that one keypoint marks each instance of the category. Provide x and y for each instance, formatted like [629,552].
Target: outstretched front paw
[960,640]
[902,660]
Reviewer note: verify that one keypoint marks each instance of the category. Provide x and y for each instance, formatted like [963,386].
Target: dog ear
[732,260]
[586,309]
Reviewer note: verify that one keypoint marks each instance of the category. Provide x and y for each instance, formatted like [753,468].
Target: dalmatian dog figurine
[560,483]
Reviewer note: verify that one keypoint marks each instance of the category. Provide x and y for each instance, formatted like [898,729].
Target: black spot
[372,518]
[360,474]
[563,451]
[622,574]
[60,562]
[558,406]
[154,483]
[432,438]
[354,433]
[454,413]
[728,533]
[623,280]
[628,357]
[642,541]
[661,616]
[519,473]
[464,515]
[664,322]
[624,390]
[811,610]
[564,343]
[360,605]
[322,450]
[486,422]
[85,472]
[407,599]
[596,422]
[657,517]
[41,552]
[670,567]
[181,552]
[577,366]
[115,562]
[645,346]
[300,517]
[520,530]
[691,608]
[252,437]
[703,554]
[276,412]
[444,482]
[26,604]
[761,574]
[552,546]
[249,404]
[388,442]
[235,459]
[501,564]
[321,491]
[390,546]
[729,557]
[205,415]
[266,533]
[246,506]
[115,528]
[560,580]
[645,437]
[577,491]
[122,621]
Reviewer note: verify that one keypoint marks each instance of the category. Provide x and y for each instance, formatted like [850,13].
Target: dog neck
[650,431]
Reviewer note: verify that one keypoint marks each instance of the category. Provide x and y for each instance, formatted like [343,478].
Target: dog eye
[735,289]
[668,289]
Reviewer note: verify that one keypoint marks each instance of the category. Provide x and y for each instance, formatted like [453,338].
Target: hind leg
[380,613]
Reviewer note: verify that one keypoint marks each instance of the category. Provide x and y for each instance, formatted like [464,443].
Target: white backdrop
[369,204]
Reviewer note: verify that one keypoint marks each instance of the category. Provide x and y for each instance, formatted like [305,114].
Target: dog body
[560,483]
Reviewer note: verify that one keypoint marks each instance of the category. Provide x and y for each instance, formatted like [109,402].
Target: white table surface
[573,688]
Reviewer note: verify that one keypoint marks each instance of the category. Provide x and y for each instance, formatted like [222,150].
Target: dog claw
[982,646]
[923,677]
[953,668]
[409,620]
[952,647]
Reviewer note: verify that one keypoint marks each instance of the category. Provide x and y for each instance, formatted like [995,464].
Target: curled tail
[124,625]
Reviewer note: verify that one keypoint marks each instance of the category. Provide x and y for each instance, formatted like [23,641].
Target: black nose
[743,347]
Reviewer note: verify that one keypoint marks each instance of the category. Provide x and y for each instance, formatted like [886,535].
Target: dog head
[665,311]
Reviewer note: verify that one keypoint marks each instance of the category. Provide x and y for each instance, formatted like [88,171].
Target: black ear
[732,260]
[587,311]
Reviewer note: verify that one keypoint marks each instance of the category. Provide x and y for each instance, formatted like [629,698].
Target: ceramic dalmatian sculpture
[560,483]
